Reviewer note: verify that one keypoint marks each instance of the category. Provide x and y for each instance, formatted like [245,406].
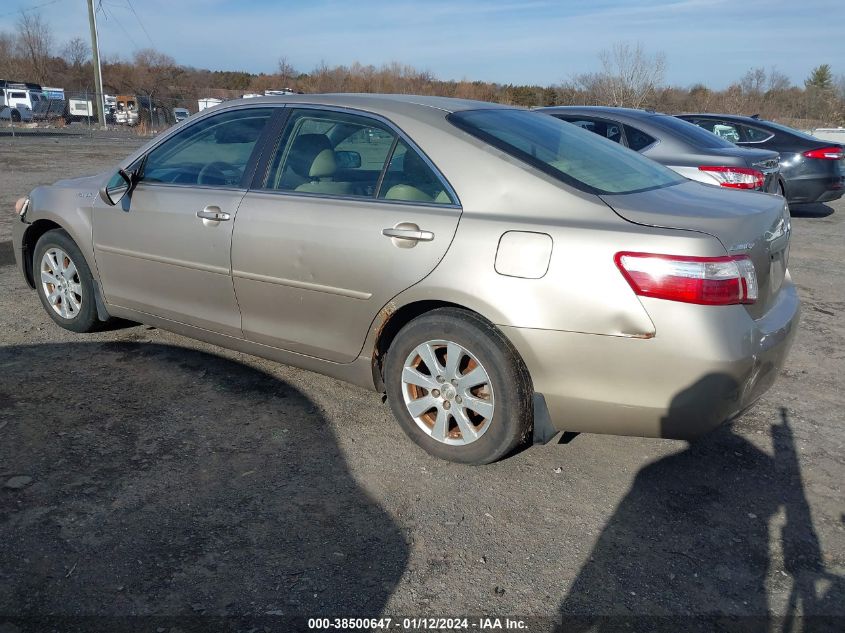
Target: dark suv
[812,169]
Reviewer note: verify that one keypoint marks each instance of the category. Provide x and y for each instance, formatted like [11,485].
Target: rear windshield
[689,132]
[567,152]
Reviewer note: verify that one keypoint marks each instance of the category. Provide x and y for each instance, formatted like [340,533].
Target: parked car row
[731,151]
[681,146]
[811,169]
[499,274]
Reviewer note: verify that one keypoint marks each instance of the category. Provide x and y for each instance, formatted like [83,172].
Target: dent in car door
[312,270]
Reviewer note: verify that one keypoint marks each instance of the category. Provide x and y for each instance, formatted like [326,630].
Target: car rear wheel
[16,116]
[458,388]
[64,282]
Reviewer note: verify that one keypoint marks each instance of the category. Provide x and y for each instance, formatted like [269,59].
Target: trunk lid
[745,222]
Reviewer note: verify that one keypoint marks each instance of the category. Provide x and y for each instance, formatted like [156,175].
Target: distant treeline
[628,76]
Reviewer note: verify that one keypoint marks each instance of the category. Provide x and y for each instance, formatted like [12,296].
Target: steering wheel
[213,173]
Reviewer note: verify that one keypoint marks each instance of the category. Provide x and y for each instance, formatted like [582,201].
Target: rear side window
[608,129]
[572,155]
[637,139]
[410,179]
[330,153]
[754,134]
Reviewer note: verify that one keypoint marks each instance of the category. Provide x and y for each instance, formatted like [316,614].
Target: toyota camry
[501,276]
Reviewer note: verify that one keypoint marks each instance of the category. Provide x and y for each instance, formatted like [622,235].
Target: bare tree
[754,81]
[8,58]
[629,76]
[76,52]
[777,81]
[35,41]
[152,74]
[287,73]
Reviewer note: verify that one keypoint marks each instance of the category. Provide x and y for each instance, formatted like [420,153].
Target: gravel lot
[142,473]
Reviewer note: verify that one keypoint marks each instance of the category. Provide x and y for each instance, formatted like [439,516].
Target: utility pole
[98,70]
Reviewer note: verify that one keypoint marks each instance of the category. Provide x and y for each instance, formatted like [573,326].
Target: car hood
[84,183]
[745,222]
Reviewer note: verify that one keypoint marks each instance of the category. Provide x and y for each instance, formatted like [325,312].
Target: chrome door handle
[213,213]
[415,235]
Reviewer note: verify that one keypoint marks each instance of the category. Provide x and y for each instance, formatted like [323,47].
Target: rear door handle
[416,235]
[213,213]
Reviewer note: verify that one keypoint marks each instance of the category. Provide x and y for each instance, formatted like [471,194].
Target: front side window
[572,155]
[213,152]
[727,131]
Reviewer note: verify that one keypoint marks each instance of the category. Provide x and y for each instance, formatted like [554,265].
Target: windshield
[689,132]
[565,151]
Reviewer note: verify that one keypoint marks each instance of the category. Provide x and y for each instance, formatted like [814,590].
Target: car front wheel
[64,282]
[458,387]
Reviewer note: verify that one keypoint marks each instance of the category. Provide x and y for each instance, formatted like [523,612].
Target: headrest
[324,165]
[414,167]
[305,150]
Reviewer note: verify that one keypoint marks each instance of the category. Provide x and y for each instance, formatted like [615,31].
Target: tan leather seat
[311,166]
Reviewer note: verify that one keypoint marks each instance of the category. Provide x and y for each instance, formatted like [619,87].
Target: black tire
[512,418]
[85,319]
[16,116]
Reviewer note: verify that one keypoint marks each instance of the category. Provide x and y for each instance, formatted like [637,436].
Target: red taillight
[736,177]
[826,153]
[712,281]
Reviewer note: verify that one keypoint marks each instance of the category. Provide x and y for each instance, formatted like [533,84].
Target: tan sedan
[499,274]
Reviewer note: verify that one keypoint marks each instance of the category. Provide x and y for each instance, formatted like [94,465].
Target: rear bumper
[704,366]
[808,189]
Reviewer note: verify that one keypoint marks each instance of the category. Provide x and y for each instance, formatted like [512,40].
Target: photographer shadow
[689,547]
[169,482]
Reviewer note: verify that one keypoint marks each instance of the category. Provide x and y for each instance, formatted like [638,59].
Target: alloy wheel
[447,392]
[61,284]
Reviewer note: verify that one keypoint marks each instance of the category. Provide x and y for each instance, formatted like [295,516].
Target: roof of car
[629,112]
[716,115]
[378,103]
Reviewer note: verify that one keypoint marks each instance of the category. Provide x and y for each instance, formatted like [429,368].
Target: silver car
[499,275]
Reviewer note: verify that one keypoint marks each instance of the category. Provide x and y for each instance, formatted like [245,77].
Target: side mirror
[347,160]
[119,185]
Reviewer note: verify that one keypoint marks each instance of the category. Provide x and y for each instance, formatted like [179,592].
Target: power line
[143,28]
[32,8]
[111,15]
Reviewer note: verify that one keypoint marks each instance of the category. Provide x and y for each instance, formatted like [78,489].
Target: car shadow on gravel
[148,479]
[814,210]
[7,255]
[692,538]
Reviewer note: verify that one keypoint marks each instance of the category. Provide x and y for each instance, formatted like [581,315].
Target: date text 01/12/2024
[419,624]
